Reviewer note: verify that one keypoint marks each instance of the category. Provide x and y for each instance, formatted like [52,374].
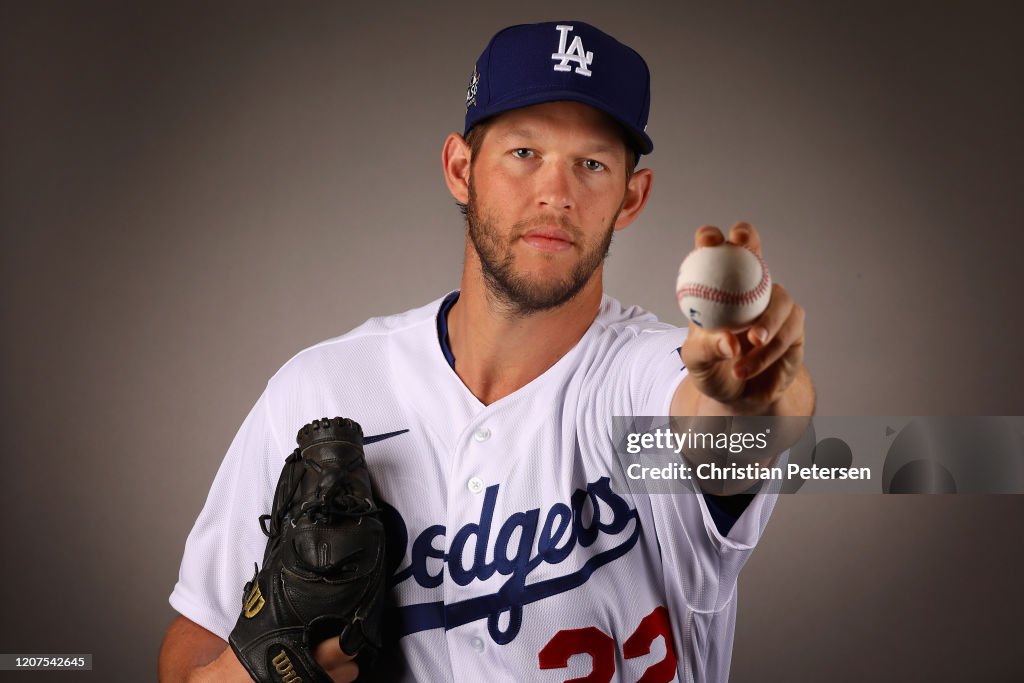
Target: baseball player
[487,416]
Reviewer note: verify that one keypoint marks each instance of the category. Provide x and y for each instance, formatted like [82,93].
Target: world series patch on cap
[531,64]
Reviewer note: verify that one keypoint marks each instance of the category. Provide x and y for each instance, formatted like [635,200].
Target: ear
[637,190]
[455,163]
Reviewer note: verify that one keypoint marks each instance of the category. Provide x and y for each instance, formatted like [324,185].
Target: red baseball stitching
[719,296]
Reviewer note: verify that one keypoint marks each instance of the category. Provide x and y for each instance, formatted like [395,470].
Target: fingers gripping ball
[723,287]
[323,569]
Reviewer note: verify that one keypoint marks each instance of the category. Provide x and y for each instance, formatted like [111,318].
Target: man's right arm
[191,654]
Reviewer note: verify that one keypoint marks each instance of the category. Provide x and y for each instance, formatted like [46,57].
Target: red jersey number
[601,648]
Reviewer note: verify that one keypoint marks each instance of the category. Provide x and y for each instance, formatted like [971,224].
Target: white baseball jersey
[517,559]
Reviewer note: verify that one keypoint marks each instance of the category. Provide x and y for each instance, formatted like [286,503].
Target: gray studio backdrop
[192,192]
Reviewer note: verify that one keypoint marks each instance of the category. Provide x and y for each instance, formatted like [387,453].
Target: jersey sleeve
[702,562]
[655,370]
[227,539]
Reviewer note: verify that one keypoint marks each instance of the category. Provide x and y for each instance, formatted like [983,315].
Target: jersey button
[477,644]
[482,434]
[476,485]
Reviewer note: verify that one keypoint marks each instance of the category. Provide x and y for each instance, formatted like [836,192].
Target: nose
[555,185]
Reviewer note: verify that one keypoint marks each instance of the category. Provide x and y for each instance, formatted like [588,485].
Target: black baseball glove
[323,570]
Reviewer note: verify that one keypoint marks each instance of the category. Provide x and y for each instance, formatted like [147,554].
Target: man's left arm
[758,372]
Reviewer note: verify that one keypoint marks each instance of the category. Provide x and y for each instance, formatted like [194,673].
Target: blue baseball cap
[562,60]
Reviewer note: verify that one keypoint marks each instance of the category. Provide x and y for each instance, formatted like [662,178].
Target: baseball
[723,287]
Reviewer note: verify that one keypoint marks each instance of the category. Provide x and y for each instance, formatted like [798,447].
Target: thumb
[705,350]
[329,654]
[339,666]
[726,346]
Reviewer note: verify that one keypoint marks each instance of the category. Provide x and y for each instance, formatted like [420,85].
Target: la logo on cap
[576,53]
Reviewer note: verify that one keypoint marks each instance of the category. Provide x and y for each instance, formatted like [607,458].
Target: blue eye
[592,165]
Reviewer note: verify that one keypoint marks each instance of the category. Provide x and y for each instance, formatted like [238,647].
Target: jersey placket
[475,468]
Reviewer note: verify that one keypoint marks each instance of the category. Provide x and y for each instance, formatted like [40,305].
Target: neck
[498,351]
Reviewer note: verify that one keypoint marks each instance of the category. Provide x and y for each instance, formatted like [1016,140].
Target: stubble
[519,294]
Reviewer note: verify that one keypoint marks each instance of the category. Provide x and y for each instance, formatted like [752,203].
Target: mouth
[549,239]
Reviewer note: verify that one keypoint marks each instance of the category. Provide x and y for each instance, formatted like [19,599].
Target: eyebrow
[518,132]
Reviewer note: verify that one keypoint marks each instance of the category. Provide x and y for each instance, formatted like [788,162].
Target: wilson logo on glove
[283,666]
[323,569]
[253,602]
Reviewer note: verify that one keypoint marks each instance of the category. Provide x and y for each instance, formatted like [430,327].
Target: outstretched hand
[748,372]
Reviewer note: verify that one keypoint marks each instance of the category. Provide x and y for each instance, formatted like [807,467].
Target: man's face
[545,191]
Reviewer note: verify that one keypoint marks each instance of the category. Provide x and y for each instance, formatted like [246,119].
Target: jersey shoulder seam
[350,336]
